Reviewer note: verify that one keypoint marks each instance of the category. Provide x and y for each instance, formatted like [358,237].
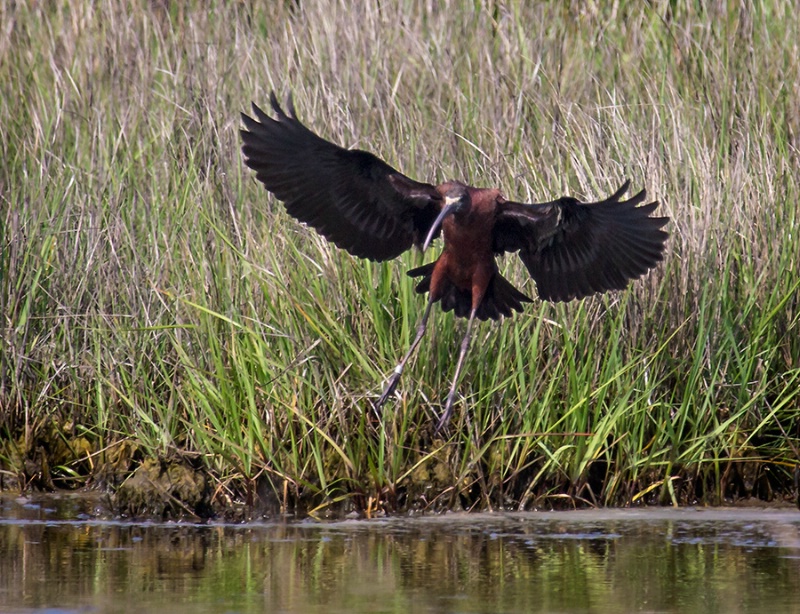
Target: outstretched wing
[574,249]
[350,197]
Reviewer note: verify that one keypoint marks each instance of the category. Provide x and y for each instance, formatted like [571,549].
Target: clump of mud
[36,461]
[58,456]
[165,489]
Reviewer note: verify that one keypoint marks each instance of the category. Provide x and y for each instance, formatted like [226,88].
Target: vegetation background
[165,322]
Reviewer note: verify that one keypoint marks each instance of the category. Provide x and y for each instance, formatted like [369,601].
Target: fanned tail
[501,298]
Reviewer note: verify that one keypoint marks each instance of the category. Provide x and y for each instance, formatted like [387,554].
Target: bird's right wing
[573,249]
[350,197]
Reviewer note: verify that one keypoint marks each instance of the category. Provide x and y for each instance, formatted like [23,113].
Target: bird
[571,249]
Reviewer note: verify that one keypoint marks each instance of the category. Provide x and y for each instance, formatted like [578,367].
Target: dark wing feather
[574,249]
[350,197]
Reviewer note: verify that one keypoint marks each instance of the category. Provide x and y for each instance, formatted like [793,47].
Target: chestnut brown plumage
[571,249]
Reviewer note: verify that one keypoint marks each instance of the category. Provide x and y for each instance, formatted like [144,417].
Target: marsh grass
[154,294]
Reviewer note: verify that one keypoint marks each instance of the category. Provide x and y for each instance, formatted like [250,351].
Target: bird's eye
[457,201]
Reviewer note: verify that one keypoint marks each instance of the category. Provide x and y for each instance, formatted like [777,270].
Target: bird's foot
[448,413]
[390,388]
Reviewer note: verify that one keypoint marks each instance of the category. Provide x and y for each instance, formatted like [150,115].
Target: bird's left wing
[573,249]
[350,197]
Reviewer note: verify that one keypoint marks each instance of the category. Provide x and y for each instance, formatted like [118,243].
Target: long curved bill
[449,207]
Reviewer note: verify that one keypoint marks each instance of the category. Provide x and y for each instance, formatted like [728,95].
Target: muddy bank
[132,485]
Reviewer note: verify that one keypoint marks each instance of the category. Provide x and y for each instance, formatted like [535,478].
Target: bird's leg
[448,407]
[398,370]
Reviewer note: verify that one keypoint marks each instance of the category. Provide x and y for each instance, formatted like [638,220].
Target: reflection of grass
[152,291]
[485,565]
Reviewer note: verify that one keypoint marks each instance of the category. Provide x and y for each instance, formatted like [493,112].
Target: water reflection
[597,561]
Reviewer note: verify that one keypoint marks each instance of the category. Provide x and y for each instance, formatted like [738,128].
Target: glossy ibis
[352,198]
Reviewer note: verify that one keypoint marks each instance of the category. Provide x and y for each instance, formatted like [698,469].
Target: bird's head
[455,200]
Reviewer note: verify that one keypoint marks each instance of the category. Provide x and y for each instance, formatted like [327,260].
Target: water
[57,556]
